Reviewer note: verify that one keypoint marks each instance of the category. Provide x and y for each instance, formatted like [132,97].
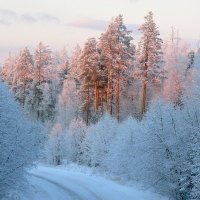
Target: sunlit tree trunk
[144,91]
[118,97]
[149,56]
[102,95]
[144,96]
[109,88]
[96,96]
[111,99]
[24,95]
[88,106]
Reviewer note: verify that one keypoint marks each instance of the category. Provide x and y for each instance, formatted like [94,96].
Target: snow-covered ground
[50,183]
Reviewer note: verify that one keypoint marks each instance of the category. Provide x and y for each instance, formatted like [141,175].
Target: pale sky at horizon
[64,22]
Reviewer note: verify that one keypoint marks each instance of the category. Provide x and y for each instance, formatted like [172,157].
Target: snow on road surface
[58,184]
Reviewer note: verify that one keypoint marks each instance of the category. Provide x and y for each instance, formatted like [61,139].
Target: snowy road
[58,184]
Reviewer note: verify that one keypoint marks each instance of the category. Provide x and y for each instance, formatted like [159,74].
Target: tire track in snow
[74,182]
[70,192]
[85,188]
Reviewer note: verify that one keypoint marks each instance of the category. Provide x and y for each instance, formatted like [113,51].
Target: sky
[60,23]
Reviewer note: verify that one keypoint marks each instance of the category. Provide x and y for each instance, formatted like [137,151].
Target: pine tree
[7,72]
[149,56]
[42,58]
[102,81]
[23,76]
[89,78]
[61,67]
[48,103]
[191,58]
[125,51]
[116,47]
[74,67]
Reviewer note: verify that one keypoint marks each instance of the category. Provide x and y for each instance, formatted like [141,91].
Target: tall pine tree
[149,56]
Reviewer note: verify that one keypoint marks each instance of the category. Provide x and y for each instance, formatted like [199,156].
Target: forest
[125,107]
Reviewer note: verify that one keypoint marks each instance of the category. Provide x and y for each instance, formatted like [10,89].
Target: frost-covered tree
[171,140]
[42,58]
[122,158]
[23,76]
[125,55]
[190,182]
[149,55]
[174,88]
[48,105]
[56,146]
[68,103]
[89,62]
[98,141]
[75,137]
[102,81]
[60,67]
[20,141]
[7,71]
[42,61]
[179,67]
[191,62]
[118,51]
[75,70]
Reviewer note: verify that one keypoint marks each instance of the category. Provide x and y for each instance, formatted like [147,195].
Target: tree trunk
[144,91]
[24,95]
[101,100]
[88,106]
[102,94]
[58,160]
[96,96]
[144,94]
[111,99]
[38,114]
[118,97]
[109,89]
